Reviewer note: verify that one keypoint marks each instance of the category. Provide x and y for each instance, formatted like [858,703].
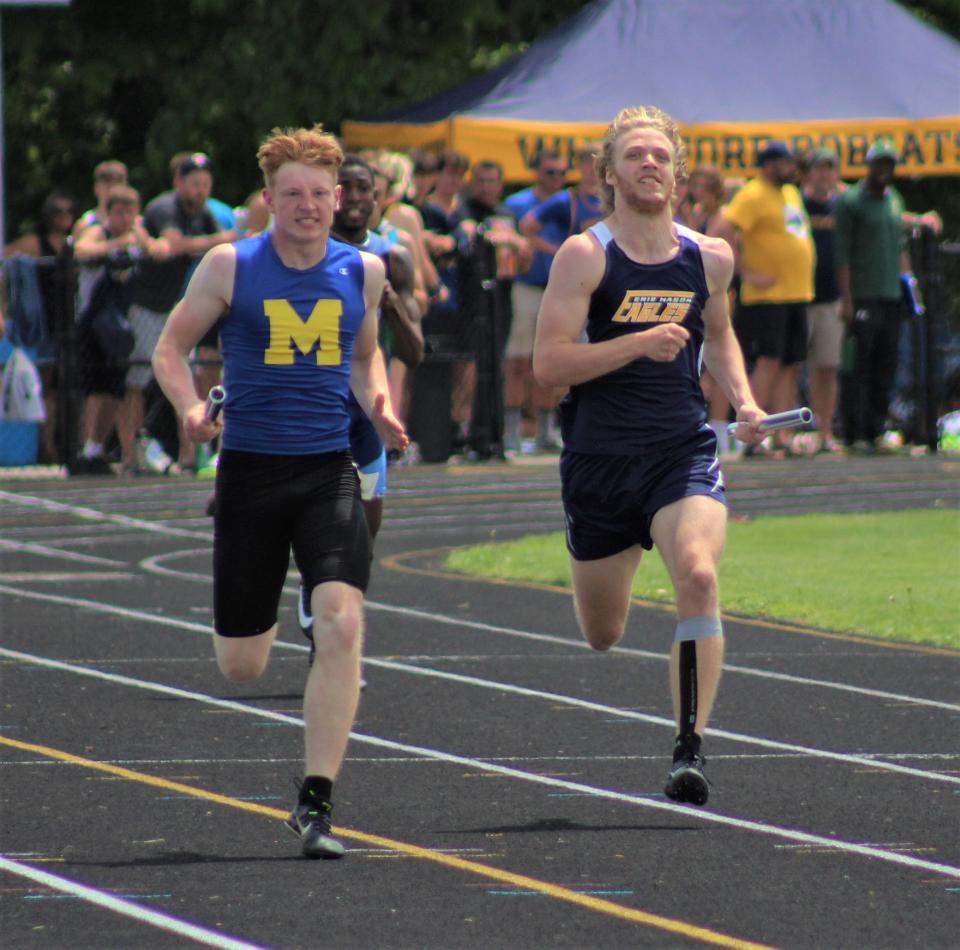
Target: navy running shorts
[268,505]
[609,500]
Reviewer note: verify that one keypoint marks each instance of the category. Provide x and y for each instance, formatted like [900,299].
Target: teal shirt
[869,238]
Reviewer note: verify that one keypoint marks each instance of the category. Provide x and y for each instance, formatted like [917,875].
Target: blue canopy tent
[734,73]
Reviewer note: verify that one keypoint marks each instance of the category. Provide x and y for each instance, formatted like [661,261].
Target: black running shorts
[774,330]
[268,505]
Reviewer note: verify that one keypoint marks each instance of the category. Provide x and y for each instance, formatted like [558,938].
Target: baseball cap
[883,148]
[773,151]
[198,161]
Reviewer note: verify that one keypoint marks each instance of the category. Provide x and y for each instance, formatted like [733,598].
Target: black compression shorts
[268,505]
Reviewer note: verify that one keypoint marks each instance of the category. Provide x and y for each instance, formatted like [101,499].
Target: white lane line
[30,577]
[160,528]
[487,766]
[43,550]
[92,514]
[382,759]
[659,720]
[645,654]
[126,908]
[157,565]
[845,758]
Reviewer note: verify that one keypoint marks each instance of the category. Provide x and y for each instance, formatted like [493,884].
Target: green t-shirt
[869,237]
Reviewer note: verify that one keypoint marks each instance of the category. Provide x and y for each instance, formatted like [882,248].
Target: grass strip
[891,575]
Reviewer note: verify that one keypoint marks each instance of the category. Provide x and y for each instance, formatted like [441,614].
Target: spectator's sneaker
[686,782]
[305,619]
[549,444]
[311,822]
[152,458]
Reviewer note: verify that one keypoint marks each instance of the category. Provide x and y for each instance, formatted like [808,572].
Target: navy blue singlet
[645,403]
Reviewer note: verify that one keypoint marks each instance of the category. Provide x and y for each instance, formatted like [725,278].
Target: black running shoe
[305,618]
[311,822]
[686,782]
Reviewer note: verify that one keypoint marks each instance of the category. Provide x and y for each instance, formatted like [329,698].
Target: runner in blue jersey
[400,335]
[639,464]
[299,332]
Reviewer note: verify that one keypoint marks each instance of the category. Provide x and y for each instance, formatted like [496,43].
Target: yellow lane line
[609,908]
[397,562]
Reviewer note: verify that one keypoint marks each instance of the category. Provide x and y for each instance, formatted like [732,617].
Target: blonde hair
[398,169]
[638,117]
[308,146]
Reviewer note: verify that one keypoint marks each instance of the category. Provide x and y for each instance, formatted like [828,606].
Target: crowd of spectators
[822,283]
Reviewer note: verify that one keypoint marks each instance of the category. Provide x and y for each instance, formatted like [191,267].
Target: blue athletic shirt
[520,203]
[365,444]
[567,212]
[645,403]
[287,344]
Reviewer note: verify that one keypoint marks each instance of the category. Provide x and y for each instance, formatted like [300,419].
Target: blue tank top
[287,343]
[365,444]
[646,403]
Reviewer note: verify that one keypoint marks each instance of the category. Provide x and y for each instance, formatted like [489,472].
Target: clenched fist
[663,343]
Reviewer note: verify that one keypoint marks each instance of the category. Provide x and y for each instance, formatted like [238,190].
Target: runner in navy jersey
[299,332]
[639,464]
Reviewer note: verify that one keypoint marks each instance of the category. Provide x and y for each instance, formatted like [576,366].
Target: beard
[642,204]
[785,178]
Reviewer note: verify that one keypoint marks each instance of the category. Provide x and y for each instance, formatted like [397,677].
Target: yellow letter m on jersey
[288,331]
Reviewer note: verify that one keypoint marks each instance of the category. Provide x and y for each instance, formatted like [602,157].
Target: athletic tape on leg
[698,628]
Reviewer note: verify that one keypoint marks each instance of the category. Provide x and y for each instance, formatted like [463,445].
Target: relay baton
[215,400]
[780,420]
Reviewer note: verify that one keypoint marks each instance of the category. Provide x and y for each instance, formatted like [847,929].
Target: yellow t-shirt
[775,239]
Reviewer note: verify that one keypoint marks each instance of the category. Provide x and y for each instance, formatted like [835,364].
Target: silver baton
[780,420]
[215,400]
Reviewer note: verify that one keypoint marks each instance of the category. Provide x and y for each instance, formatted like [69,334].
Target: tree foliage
[140,81]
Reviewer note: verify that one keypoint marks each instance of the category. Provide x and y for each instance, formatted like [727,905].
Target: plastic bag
[21,393]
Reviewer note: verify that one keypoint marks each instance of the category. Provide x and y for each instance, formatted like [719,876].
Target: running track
[504,786]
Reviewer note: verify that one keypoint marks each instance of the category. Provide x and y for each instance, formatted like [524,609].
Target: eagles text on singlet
[653,306]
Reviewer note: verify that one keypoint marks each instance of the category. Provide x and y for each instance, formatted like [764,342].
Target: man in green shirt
[870,255]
